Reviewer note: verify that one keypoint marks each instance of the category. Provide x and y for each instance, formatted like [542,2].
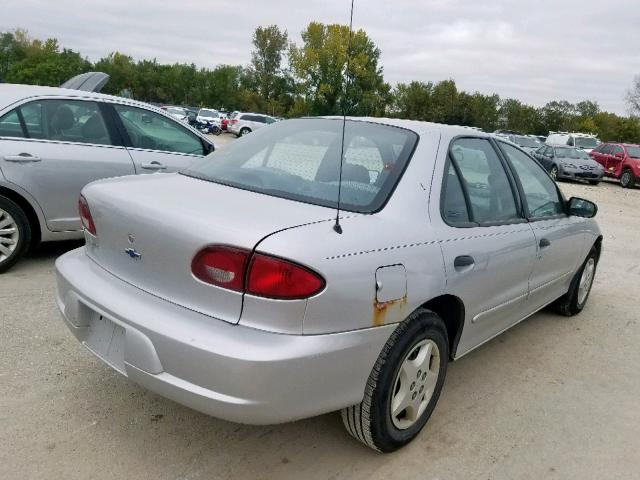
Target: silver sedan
[231,288]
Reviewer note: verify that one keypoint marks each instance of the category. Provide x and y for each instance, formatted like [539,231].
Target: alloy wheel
[554,173]
[625,180]
[586,280]
[9,235]
[415,384]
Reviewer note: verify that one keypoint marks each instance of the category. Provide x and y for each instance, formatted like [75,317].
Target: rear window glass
[300,160]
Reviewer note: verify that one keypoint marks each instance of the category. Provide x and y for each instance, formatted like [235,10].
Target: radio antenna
[337,227]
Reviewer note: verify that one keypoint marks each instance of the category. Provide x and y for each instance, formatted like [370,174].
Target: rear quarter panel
[400,234]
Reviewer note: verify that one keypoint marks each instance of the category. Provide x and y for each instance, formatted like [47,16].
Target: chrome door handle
[22,158]
[153,166]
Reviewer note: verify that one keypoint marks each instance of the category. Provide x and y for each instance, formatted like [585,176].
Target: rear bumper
[229,371]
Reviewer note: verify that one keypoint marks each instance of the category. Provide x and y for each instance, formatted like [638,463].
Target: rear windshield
[586,142]
[300,160]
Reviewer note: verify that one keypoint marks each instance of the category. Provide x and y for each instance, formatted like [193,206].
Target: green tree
[270,45]
[319,66]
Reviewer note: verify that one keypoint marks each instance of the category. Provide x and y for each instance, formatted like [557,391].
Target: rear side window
[76,121]
[10,125]
[300,160]
[539,190]
[454,205]
[483,177]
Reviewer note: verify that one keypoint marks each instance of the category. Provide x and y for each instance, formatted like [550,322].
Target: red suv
[620,160]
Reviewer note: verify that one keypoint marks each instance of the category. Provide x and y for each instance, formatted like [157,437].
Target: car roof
[421,127]
[12,93]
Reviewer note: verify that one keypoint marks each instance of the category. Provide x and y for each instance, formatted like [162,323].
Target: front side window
[618,150]
[300,160]
[483,177]
[151,131]
[539,189]
[607,149]
[10,125]
[633,152]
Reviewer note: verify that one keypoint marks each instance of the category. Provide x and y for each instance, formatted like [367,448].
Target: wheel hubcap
[554,173]
[9,235]
[625,178]
[414,384]
[586,280]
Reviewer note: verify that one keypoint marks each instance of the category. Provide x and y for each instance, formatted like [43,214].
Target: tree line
[292,79]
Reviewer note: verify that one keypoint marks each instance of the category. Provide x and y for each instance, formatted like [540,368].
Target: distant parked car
[620,160]
[54,141]
[226,287]
[208,115]
[583,141]
[244,123]
[569,163]
[528,143]
[178,113]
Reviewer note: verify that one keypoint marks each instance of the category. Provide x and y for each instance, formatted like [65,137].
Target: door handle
[22,158]
[153,166]
[463,261]
[544,243]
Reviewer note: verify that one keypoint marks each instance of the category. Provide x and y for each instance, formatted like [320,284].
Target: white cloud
[536,51]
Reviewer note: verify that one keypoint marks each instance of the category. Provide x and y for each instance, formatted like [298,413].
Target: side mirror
[209,148]
[619,155]
[579,207]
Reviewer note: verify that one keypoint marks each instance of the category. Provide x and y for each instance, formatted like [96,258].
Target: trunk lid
[150,227]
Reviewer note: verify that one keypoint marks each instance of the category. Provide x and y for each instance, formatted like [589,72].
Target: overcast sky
[535,51]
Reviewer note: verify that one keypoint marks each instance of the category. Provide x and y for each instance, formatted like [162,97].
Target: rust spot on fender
[388,312]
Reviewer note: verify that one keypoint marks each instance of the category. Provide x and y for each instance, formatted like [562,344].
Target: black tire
[244,132]
[371,421]
[569,304]
[627,179]
[21,221]
[594,182]
[553,173]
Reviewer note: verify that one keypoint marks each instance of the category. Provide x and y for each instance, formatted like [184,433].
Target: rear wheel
[627,179]
[575,299]
[244,131]
[404,385]
[15,233]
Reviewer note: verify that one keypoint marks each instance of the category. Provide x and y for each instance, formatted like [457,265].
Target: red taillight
[221,266]
[277,278]
[85,216]
[258,274]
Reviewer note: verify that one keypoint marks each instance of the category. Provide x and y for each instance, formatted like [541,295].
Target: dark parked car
[569,163]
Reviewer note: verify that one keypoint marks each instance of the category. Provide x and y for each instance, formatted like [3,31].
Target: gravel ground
[551,398]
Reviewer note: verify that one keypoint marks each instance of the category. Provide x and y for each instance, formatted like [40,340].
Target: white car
[178,113]
[209,115]
[244,123]
[583,141]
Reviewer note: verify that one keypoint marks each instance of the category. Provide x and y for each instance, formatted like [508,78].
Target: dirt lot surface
[551,398]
